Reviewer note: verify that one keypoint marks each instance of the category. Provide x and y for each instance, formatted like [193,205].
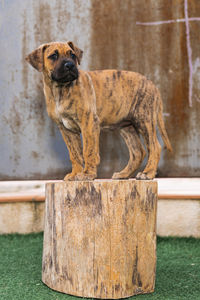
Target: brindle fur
[96,100]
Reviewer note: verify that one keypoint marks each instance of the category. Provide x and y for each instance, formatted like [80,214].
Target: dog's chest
[69,124]
[66,119]
[63,110]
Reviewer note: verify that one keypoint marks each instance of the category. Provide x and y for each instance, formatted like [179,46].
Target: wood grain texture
[100,238]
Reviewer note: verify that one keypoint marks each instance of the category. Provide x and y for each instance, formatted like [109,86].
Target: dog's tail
[161,125]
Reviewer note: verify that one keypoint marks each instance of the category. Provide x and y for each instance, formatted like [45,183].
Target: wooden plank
[168,188]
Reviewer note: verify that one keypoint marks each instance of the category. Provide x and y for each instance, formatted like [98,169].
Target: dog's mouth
[65,78]
[65,72]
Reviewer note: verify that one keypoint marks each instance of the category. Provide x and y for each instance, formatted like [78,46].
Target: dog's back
[120,93]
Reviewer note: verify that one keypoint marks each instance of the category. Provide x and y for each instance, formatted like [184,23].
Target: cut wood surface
[100,238]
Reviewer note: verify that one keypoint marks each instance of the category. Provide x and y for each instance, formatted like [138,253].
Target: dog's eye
[73,56]
[53,56]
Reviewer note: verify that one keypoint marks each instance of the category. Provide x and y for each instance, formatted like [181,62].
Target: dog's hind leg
[148,131]
[136,152]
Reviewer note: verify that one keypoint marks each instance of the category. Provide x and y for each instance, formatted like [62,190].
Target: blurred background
[159,39]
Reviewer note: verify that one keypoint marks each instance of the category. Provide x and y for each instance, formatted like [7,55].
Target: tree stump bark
[100,238]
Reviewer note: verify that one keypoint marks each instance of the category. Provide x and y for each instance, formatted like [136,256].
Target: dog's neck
[64,85]
[57,89]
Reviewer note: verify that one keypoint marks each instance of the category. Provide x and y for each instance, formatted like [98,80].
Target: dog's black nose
[69,65]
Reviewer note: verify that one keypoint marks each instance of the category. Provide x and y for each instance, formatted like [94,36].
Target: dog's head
[59,61]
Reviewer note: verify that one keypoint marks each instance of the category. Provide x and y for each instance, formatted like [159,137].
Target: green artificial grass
[178,269]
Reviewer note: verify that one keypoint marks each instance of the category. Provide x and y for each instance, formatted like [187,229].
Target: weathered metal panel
[132,35]
[31,145]
[157,38]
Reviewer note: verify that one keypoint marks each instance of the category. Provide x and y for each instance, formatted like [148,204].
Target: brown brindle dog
[85,102]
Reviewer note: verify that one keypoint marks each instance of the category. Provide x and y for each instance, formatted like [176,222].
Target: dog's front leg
[73,143]
[90,133]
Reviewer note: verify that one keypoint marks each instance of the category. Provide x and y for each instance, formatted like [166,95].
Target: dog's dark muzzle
[65,71]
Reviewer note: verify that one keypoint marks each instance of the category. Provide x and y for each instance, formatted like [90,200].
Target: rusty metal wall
[31,145]
[157,38]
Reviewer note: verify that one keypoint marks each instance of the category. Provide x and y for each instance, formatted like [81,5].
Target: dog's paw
[69,177]
[85,176]
[143,176]
[119,175]
[80,177]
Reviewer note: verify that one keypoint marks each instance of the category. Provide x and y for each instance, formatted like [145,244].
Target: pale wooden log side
[100,238]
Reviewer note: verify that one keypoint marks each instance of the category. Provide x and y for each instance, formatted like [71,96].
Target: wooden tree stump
[100,238]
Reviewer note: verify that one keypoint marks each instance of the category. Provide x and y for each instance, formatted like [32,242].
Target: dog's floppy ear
[35,58]
[78,52]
